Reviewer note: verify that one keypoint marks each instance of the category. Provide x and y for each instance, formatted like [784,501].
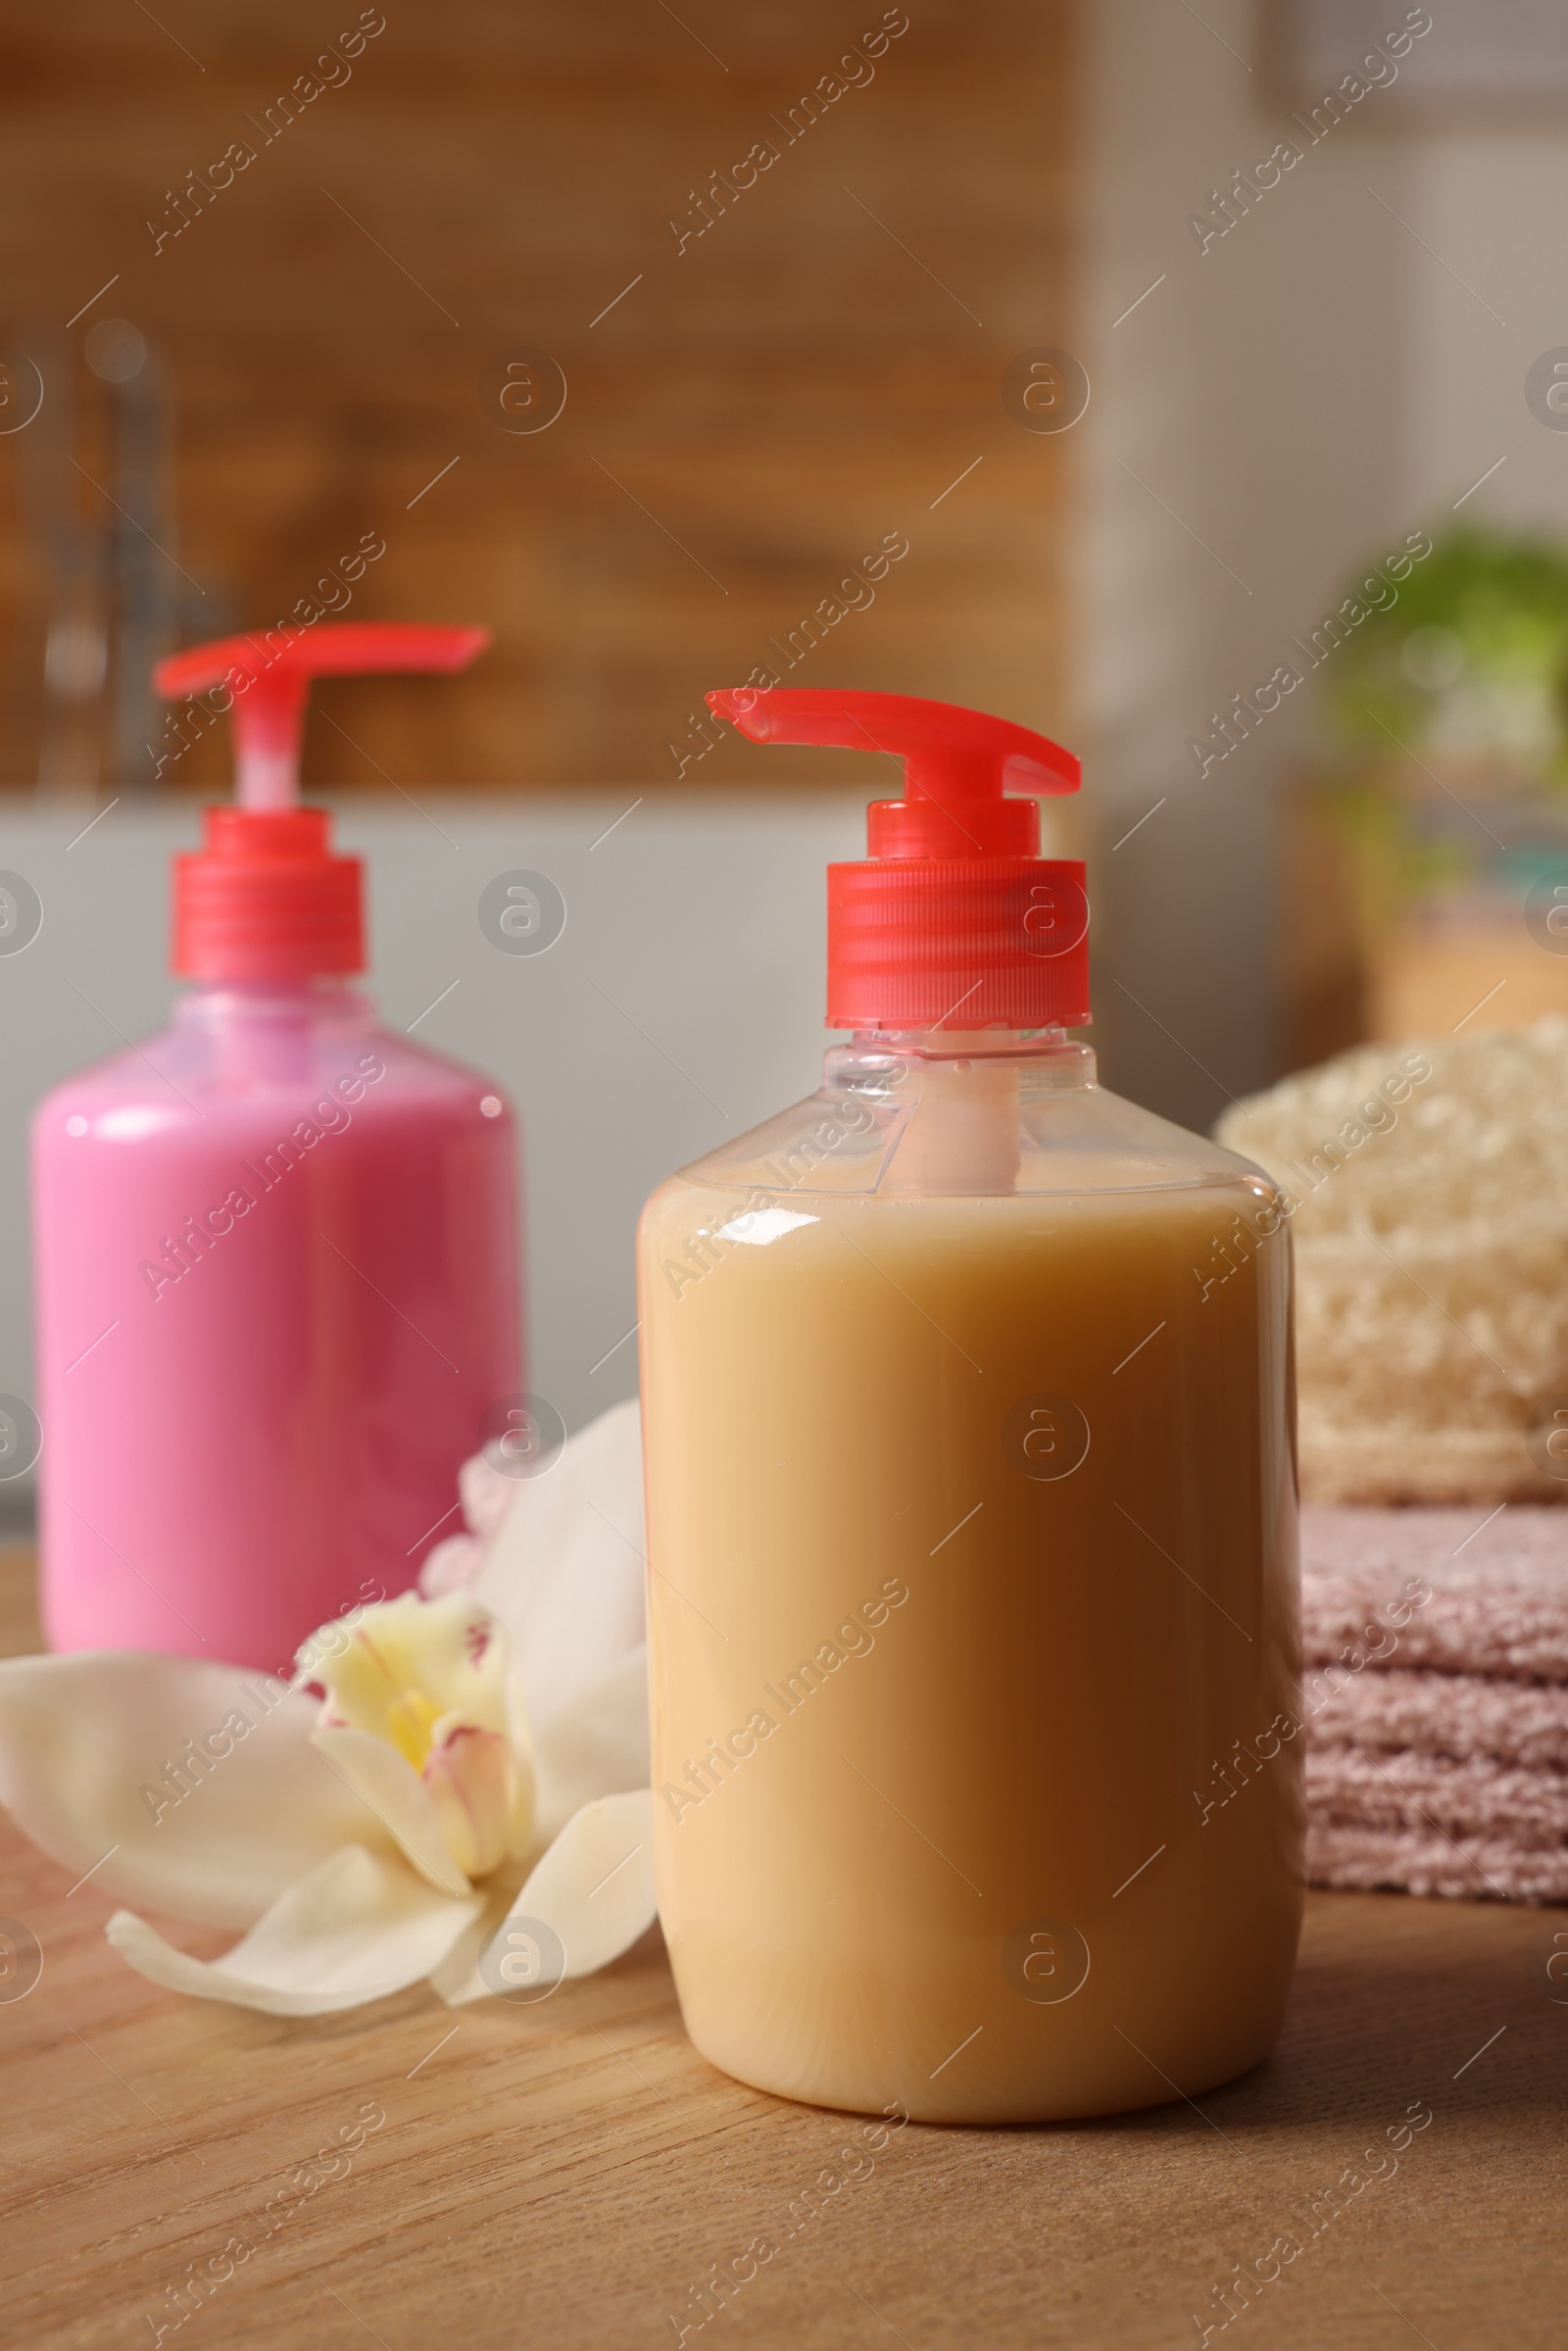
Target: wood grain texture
[565,2173]
[749,418]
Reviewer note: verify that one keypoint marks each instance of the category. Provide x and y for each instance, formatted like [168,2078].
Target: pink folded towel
[1446,1714]
[1435,1690]
[1413,1861]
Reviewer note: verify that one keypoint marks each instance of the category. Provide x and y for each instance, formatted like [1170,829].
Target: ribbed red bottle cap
[916,943]
[953,920]
[265,899]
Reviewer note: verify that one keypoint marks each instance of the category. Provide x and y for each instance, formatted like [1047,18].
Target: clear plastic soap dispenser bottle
[276,1245]
[971,1514]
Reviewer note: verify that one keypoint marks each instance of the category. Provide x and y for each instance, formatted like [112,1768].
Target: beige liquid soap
[971,1510]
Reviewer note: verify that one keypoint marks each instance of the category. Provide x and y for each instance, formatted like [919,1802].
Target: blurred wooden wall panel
[751,414]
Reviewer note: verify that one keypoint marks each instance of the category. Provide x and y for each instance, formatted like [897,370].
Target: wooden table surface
[565,2174]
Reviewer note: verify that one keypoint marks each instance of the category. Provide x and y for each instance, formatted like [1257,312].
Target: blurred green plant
[1466,673]
[1393,866]
[1472,659]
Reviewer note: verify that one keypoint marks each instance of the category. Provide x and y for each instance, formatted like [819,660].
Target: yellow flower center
[409,1719]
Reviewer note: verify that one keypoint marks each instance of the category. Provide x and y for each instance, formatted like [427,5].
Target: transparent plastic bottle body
[276,1255]
[973,1613]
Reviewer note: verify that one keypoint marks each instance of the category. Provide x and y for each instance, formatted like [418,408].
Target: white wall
[1266,394]
[702,918]
[1493,203]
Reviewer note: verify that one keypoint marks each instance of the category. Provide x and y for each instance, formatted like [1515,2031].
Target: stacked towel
[1436,1725]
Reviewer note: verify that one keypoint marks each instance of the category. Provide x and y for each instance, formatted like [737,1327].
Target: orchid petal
[479,1795]
[396,1794]
[86,1744]
[487,1494]
[565,1570]
[354,1929]
[597,1746]
[456,1971]
[594,1888]
[450,1566]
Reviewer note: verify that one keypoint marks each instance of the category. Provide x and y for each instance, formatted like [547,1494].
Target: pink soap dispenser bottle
[275,1244]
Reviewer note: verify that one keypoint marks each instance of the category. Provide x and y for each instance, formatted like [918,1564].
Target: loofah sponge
[1428,1190]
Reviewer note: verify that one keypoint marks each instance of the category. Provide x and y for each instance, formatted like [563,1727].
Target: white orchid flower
[474,1783]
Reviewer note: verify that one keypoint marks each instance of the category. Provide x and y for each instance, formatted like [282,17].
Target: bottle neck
[273,1031]
[884,1060]
[959,1095]
[327,1001]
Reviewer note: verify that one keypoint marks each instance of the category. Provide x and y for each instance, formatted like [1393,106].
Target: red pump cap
[265,899]
[954,919]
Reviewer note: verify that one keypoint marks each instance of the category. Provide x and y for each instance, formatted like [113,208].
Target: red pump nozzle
[265,899]
[954,919]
